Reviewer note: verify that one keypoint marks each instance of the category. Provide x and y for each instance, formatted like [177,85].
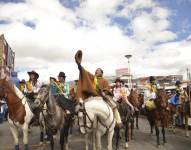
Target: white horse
[96,116]
[20,114]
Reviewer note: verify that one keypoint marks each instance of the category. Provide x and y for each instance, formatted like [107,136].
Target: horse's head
[141,99]
[134,98]
[161,100]
[42,96]
[3,88]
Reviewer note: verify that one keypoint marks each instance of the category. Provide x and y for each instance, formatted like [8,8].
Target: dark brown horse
[127,116]
[159,116]
[127,120]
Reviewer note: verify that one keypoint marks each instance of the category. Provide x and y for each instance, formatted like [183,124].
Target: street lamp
[130,81]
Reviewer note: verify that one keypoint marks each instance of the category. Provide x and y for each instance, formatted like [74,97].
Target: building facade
[7,58]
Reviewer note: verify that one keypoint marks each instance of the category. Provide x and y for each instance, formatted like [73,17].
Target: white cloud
[51,45]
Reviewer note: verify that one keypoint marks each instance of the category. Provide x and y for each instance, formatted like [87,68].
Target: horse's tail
[117,131]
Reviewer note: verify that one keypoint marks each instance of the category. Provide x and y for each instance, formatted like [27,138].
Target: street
[142,140]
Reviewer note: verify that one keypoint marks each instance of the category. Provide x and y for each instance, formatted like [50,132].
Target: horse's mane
[11,87]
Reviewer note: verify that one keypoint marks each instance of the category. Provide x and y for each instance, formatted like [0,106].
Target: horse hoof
[158,146]
[187,135]
[126,145]
[41,143]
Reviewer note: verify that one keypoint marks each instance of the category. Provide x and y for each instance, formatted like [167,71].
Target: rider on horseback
[150,93]
[32,86]
[180,93]
[61,90]
[95,85]
[121,93]
[31,90]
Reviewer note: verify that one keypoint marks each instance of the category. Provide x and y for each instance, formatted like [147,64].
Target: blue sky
[47,33]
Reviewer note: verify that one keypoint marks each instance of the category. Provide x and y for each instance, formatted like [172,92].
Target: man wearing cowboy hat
[63,86]
[62,93]
[32,85]
[150,93]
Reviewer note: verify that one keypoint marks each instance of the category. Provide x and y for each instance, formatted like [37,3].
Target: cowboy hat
[78,57]
[151,78]
[117,80]
[22,81]
[62,74]
[33,72]
[52,78]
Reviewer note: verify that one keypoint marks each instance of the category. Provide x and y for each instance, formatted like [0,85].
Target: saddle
[150,105]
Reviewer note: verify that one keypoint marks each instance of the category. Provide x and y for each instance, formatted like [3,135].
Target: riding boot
[26,147]
[16,147]
[117,117]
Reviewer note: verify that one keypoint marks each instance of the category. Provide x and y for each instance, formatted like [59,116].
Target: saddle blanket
[150,105]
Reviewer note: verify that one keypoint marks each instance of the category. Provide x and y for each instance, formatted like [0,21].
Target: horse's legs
[50,137]
[126,134]
[41,134]
[42,129]
[62,138]
[86,141]
[137,119]
[64,134]
[109,139]
[150,123]
[163,133]
[98,140]
[157,135]
[174,122]
[117,131]
[25,136]
[14,132]
[132,127]
[186,125]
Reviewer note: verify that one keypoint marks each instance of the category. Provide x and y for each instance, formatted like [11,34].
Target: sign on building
[122,71]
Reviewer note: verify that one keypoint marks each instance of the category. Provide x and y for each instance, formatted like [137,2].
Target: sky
[46,34]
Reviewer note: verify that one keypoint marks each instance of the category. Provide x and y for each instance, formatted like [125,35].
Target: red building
[7,58]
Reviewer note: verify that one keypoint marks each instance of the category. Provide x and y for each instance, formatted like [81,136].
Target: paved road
[142,140]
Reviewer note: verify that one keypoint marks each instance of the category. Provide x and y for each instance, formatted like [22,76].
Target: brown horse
[137,101]
[183,109]
[20,114]
[159,116]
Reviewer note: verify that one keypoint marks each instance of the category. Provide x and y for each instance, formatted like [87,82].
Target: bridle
[2,90]
[85,116]
[82,109]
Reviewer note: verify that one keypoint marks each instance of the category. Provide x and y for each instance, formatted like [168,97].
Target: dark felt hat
[33,72]
[62,74]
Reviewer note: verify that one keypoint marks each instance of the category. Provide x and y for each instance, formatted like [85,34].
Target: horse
[96,116]
[127,120]
[55,117]
[182,109]
[137,101]
[128,116]
[20,113]
[158,116]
